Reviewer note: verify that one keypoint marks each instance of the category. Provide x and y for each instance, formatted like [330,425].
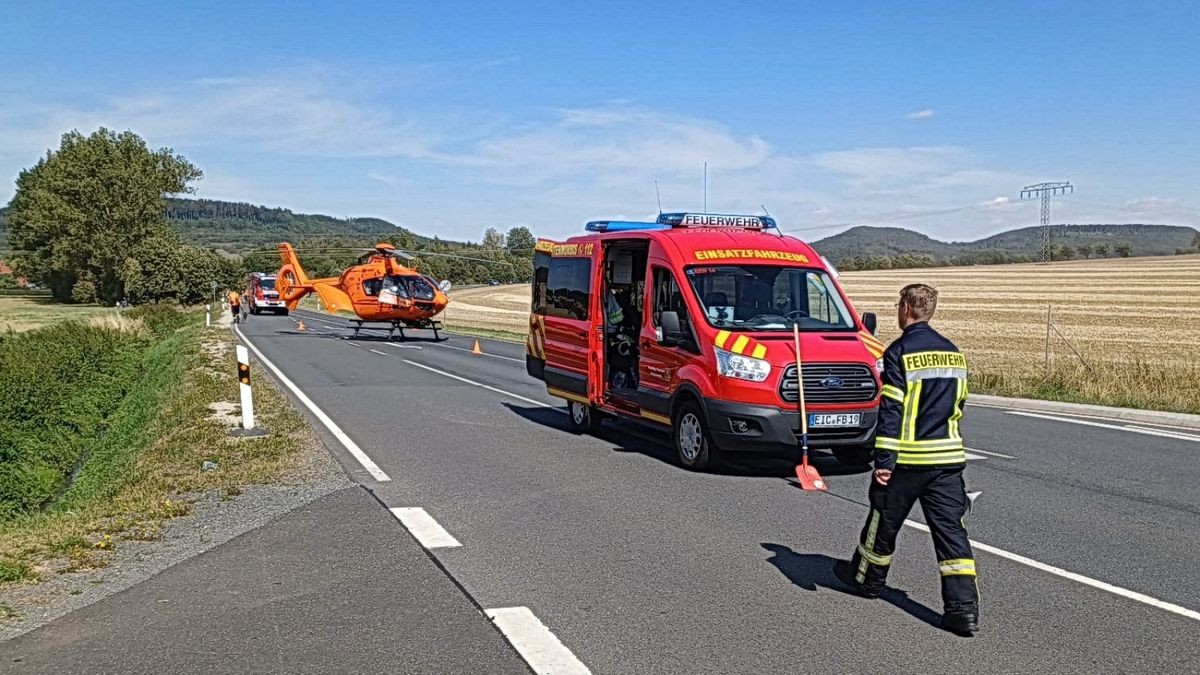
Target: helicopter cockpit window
[371,286]
[396,286]
[420,287]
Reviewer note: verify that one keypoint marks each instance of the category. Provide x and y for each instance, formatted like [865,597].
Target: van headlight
[741,367]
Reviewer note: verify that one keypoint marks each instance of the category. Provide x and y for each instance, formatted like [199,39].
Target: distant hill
[866,242]
[238,227]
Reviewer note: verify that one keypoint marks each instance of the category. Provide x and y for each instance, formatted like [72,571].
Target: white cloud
[922,114]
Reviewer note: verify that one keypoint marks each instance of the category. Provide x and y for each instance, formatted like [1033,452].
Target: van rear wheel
[693,446]
[584,418]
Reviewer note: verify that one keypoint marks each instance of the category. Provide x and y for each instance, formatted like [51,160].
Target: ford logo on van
[832,383]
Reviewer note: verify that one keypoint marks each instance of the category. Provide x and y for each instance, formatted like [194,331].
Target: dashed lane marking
[540,648]
[347,442]
[424,528]
[989,453]
[1087,581]
[1119,427]
[376,351]
[478,384]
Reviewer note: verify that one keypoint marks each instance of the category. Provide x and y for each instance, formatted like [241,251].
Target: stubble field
[1131,320]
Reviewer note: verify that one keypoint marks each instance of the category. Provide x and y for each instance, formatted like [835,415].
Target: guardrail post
[243,366]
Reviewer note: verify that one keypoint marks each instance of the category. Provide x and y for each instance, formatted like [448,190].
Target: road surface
[622,562]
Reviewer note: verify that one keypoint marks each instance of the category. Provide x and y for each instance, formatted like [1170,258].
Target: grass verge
[163,447]
[1173,387]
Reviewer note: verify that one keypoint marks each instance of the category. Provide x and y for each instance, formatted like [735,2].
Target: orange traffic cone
[477,350]
[300,326]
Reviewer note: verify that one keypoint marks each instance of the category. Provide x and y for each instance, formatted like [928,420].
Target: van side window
[541,273]
[668,298]
[568,288]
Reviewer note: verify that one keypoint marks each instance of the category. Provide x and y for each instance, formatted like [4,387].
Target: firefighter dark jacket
[924,388]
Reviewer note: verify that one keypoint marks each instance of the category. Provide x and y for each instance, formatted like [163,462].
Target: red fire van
[687,323]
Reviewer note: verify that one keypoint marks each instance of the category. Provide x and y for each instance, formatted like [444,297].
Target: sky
[450,117]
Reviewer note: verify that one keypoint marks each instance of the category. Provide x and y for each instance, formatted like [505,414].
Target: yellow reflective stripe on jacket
[959,397]
[957,566]
[893,392]
[932,445]
[947,458]
[912,403]
[874,558]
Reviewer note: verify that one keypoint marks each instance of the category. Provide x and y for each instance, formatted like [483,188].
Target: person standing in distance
[919,456]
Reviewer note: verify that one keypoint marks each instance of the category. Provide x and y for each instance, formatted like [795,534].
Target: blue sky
[452,117]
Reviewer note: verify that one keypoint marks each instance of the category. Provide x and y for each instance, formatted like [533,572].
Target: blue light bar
[717,220]
[622,226]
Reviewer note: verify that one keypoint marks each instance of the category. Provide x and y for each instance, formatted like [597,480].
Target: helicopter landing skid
[397,327]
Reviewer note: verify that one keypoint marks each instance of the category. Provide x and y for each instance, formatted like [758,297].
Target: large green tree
[80,212]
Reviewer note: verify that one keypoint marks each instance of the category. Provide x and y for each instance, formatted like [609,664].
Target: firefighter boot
[845,573]
[961,622]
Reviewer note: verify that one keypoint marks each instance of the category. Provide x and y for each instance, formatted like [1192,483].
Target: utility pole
[1045,191]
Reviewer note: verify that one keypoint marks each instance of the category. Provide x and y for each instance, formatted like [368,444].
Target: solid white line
[478,384]
[1160,425]
[1118,427]
[1087,581]
[535,643]
[424,528]
[376,351]
[348,443]
[396,346]
[971,456]
[989,453]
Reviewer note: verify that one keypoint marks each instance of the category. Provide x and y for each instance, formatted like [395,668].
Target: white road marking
[989,453]
[393,345]
[1091,416]
[1137,430]
[971,456]
[1087,581]
[494,356]
[478,384]
[376,351]
[424,528]
[347,442]
[540,648]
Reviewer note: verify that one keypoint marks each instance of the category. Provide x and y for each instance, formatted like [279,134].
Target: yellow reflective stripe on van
[739,345]
[722,337]
[893,392]
[957,566]
[760,351]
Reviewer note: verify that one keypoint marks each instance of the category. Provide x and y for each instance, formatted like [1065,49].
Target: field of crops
[1130,320]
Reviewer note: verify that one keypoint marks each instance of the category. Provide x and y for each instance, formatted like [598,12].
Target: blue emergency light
[622,226]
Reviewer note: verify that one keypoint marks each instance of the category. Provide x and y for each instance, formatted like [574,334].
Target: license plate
[834,420]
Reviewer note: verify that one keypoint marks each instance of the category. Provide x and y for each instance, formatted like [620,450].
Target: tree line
[983,257]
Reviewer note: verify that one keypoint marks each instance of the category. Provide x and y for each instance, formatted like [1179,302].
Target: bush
[161,319]
[58,388]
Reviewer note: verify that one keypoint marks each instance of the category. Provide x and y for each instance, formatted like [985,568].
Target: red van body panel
[839,365]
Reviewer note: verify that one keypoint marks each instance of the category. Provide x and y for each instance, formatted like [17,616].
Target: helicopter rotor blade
[418,254]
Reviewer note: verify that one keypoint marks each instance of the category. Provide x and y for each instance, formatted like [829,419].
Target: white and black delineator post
[243,358]
[208,315]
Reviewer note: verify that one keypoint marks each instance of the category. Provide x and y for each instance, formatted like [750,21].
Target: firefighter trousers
[943,498]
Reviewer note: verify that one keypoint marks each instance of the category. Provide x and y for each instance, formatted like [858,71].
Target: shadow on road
[655,442]
[812,571]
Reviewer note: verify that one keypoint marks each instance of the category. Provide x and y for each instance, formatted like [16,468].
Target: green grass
[20,313]
[147,463]
[1124,385]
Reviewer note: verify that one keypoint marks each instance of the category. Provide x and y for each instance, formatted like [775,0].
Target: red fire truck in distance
[687,322]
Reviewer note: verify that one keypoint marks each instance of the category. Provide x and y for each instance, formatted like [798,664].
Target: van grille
[858,383]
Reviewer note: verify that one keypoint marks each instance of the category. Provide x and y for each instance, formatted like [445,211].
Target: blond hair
[921,300]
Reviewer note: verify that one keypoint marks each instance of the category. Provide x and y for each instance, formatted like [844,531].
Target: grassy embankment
[1128,319]
[104,428]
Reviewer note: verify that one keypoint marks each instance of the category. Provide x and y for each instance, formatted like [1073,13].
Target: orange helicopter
[379,289]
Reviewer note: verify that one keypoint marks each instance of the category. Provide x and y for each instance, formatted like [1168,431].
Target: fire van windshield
[769,298]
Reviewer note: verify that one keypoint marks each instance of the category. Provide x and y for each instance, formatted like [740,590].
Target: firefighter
[235,306]
[919,456]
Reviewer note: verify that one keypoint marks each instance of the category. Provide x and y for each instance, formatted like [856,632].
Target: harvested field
[1128,318]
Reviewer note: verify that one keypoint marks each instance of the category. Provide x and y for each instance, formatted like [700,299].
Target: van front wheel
[584,418]
[690,433]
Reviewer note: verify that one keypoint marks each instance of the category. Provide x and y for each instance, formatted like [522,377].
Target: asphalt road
[638,566]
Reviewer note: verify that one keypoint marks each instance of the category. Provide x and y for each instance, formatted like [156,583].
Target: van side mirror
[870,322]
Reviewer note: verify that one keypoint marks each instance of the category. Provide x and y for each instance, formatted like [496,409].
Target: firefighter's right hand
[882,476]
